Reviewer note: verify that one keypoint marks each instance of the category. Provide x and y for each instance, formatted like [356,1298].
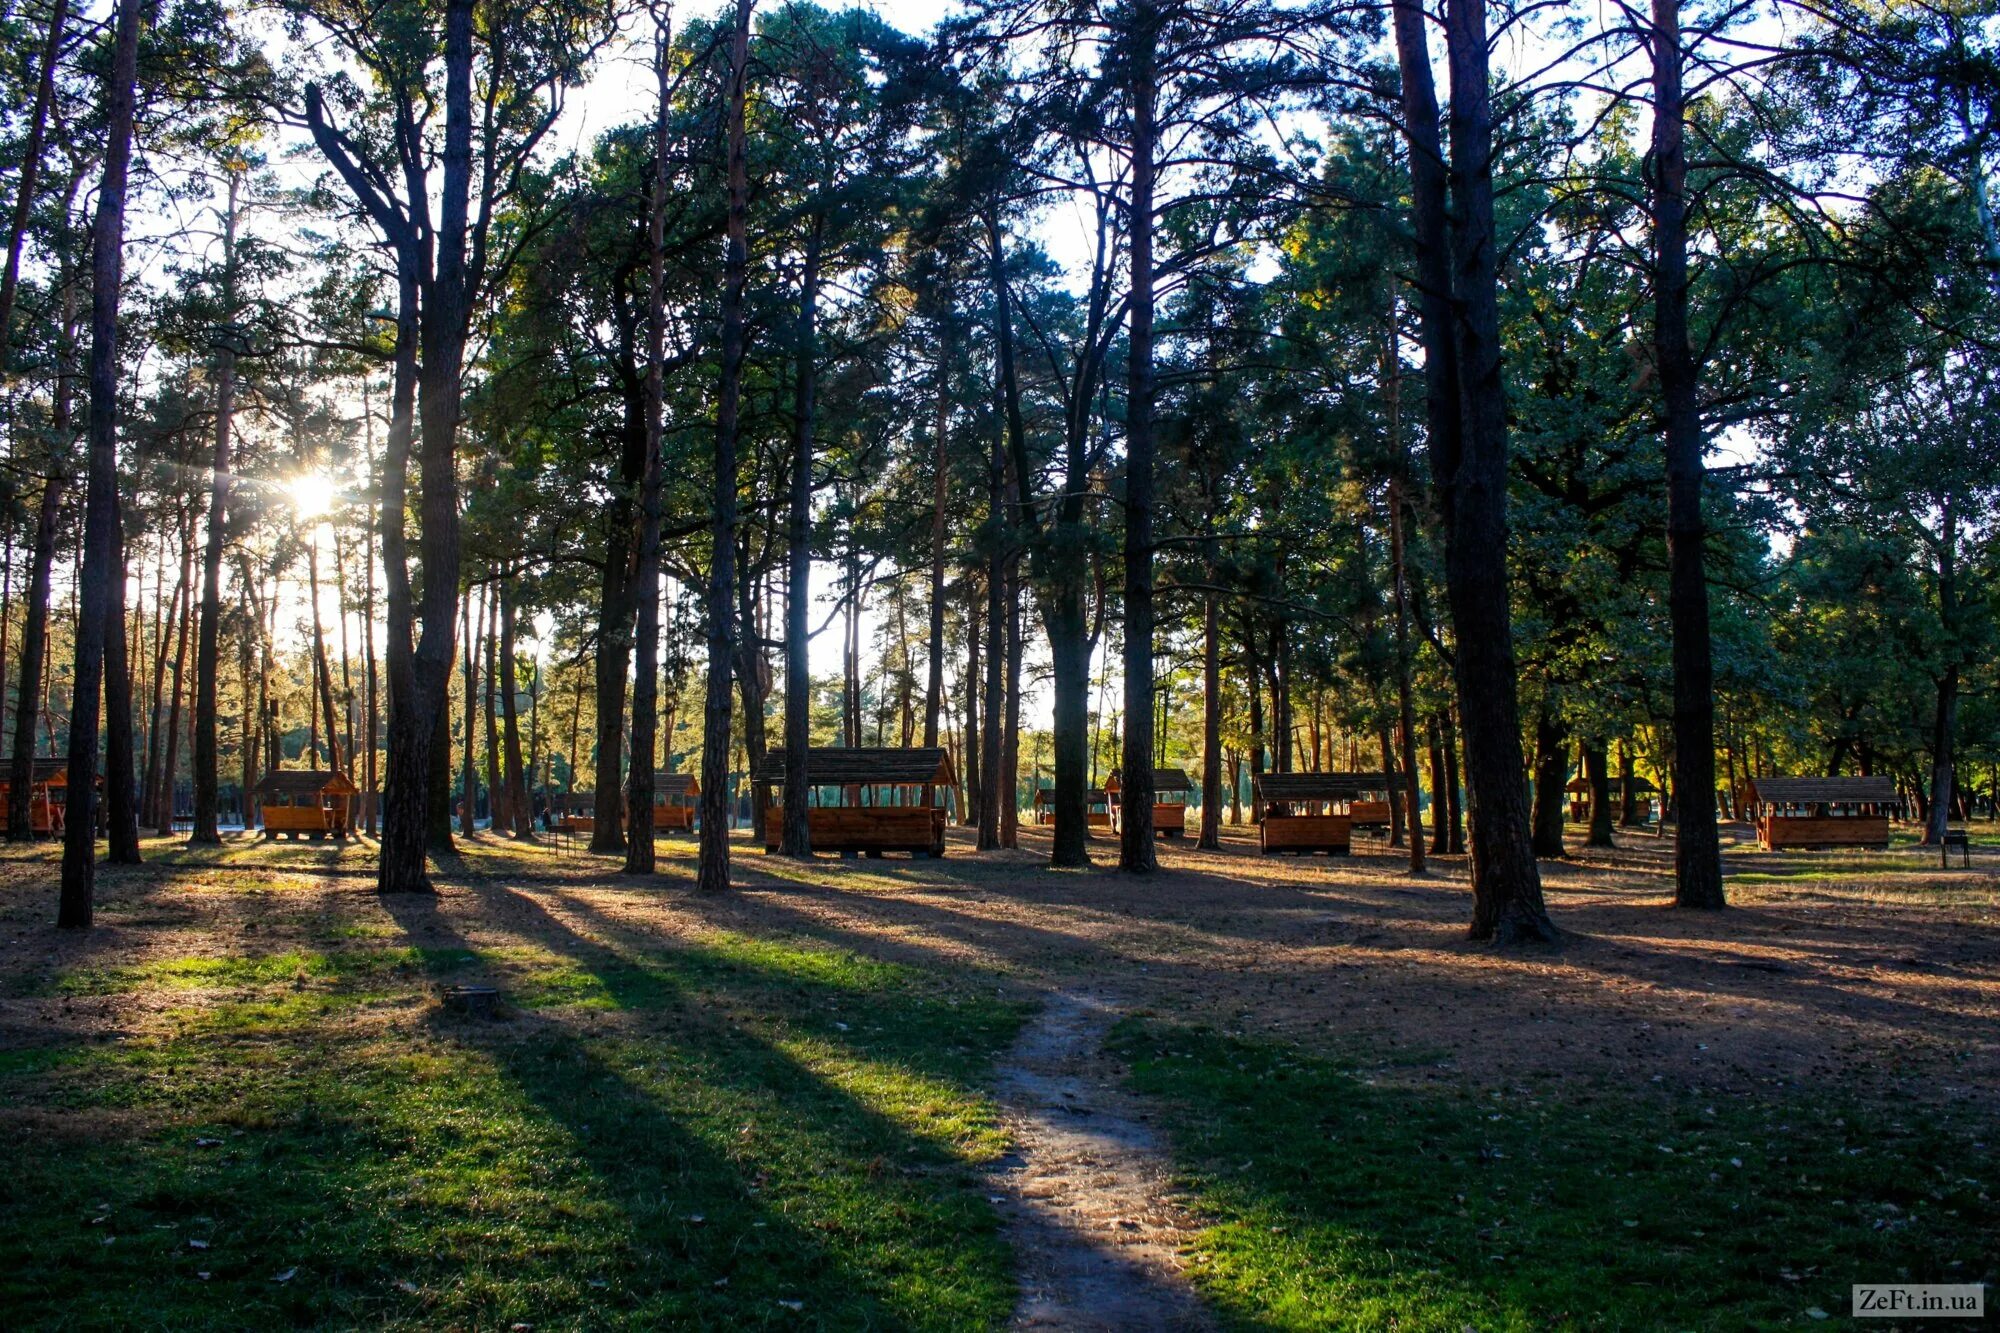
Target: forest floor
[974,1092]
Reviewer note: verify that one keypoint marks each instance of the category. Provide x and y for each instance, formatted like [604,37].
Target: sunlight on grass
[792,1130]
[1337,1199]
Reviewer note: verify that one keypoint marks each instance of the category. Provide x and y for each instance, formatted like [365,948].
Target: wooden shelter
[48,785]
[1170,789]
[1313,812]
[1096,807]
[1643,790]
[1823,812]
[315,802]
[865,799]
[675,796]
[574,812]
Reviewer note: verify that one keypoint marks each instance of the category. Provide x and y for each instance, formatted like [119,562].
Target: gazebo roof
[1876,790]
[1318,786]
[51,772]
[675,784]
[306,782]
[1164,779]
[865,766]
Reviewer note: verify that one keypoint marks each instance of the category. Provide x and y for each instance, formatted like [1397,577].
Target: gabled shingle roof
[1877,790]
[865,766]
[1318,786]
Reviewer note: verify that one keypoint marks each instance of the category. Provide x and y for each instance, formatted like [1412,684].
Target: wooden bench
[1169,819]
[1776,832]
[1368,814]
[1302,835]
[867,830]
[1959,838]
[292,821]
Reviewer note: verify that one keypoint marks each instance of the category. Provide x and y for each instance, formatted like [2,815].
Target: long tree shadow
[876,1183]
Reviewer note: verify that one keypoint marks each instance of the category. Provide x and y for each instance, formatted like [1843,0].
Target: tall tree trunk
[518,804]
[713,875]
[1628,802]
[1440,802]
[1136,853]
[468,784]
[496,798]
[1453,786]
[371,792]
[34,648]
[328,716]
[1944,720]
[1394,779]
[1210,838]
[994,705]
[76,903]
[795,839]
[639,849]
[975,751]
[207,657]
[1010,744]
[31,166]
[940,479]
[1697,850]
[1399,584]
[1551,780]
[1457,258]
[1253,686]
[162,799]
[753,675]
[1594,773]
[120,780]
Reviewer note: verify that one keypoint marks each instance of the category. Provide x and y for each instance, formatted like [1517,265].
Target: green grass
[1338,1199]
[741,1133]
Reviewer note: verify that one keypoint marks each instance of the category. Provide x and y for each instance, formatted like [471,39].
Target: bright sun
[312,494]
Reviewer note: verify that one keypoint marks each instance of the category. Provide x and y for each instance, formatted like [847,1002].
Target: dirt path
[1084,1192]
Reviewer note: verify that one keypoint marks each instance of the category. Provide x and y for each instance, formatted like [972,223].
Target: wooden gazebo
[314,802]
[675,796]
[1096,807]
[1823,812]
[865,799]
[1614,792]
[48,784]
[575,812]
[1170,789]
[1312,812]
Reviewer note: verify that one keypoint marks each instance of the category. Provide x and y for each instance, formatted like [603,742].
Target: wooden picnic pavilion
[865,800]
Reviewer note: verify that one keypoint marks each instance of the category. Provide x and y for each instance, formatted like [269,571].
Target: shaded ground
[1852,994]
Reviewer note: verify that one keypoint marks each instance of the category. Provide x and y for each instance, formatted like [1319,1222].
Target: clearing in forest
[973,1092]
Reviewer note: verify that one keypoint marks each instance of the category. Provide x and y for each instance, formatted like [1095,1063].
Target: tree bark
[1457,260]
[940,479]
[207,822]
[639,849]
[1136,852]
[1594,772]
[161,798]
[1551,780]
[34,648]
[1210,838]
[31,166]
[76,902]
[518,804]
[1697,848]
[795,839]
[713,872]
